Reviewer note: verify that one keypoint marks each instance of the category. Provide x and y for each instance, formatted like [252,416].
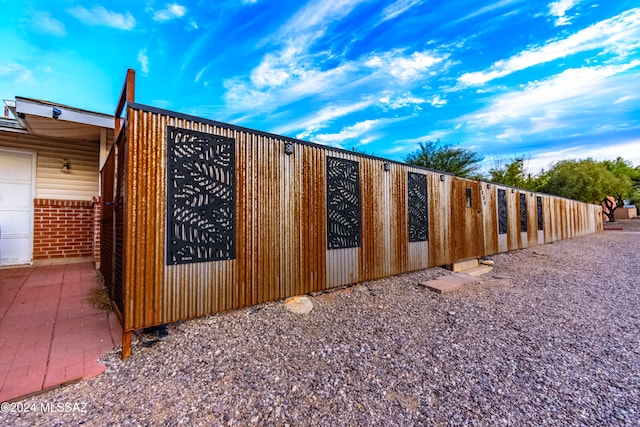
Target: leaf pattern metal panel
[539,210]
[502,211]
[418,208]
[201,197]
[523,213]
[343,203]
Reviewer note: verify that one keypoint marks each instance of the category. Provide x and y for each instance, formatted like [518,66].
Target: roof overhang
[53,120]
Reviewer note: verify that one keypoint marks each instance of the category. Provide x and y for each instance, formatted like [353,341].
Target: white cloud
[404,100]
[143,59]
[403,67]
[199,74]
[290,68]
[249,1]
[291,77]
[575,102]
[570,86]
[241,96]
[322,118]
[407,146]
[294,71]
[397,8]
[16,72]
[559,10]
[620,35]
[99,16]
[172,11]
[625,99]
[44,23]
[348,133]
[317,16]
[608,150]
[437,101]
[485,9]
[302,83]
[270,73]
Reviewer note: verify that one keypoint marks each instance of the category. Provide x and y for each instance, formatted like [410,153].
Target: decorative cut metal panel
[343,203]
[201,197]
[540,216]
[418,207]
[523,212]
[502,212]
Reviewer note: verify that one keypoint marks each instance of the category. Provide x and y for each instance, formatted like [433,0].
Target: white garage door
[16,207]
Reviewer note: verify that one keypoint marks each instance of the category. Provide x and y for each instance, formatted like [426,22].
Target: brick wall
[63,228]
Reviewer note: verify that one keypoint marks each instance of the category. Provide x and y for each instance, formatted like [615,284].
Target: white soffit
[60,121]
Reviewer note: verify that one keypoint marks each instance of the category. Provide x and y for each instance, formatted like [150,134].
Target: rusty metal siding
[441,248]
[467,222]
[281,230]
[489,195]
[513,223]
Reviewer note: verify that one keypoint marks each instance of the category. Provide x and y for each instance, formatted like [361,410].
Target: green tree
[587,181]
[513,174]
[624,170]
[459,161]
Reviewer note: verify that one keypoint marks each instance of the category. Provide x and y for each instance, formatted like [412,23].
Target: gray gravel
[550,337]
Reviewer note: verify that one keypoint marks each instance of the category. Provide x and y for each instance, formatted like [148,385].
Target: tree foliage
[585,180]
[513,174]
[624,170]
[447,158]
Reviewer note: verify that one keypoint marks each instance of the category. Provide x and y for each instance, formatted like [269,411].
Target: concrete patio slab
[50,334]
[449,283]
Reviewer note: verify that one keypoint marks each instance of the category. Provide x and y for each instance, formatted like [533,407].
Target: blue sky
[544,80]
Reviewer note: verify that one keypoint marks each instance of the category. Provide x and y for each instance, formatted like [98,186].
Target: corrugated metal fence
[285,238]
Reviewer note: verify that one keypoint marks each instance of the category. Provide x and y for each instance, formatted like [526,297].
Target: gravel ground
[550,337]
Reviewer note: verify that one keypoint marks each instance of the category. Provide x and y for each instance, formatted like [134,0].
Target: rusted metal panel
[466,213]
[385,238]
[513,223]
[488,195]
[281,223]
[532,220]
[441,248]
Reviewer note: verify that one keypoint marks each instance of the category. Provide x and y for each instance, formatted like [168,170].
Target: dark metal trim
[502,211]
[201,197]
[344,207]
[418,207]
[539,210]
[524,218]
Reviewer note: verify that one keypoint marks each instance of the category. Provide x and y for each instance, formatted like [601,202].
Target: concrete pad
[464,264]
[479,270]
[450,283]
